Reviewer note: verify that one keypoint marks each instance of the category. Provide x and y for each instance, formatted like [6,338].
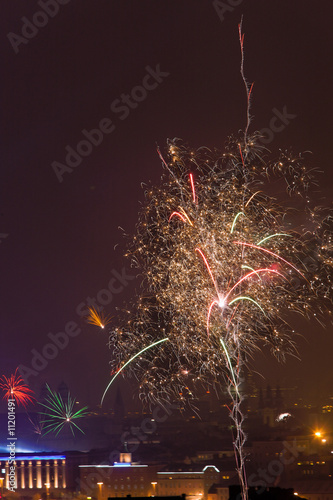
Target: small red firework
[15,388]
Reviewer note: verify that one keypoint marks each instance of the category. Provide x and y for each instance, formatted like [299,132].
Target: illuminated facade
[122,479]
[118,480]
[35,472]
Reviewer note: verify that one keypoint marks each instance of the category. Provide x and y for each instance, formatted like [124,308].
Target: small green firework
[59,413]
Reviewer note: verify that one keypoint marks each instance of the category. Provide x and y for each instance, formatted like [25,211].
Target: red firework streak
[15,388]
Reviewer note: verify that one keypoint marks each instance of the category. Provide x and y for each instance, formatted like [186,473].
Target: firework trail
[59,413]
[37,424]
[97,318]
[118,371]
[14,387]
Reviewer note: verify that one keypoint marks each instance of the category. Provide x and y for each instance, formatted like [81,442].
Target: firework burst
[221,259]
[14,387]
[59,414]
[225,266]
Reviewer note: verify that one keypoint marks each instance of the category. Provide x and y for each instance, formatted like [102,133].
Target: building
[128,478]
[314,489]
[34,472]
[149,498]
[218,492]
[118,480]
[194,481]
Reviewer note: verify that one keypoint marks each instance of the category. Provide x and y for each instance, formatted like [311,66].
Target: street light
[100,490]
[47,490]
[154,483]
[1,485]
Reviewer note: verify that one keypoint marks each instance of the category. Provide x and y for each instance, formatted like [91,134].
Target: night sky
[60,240]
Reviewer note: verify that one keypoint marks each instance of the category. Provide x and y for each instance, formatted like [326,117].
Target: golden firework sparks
[97,318]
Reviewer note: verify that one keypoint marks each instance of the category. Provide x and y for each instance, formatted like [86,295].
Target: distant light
[323,440]
[207,466]
[179,472]
[318,434]
[35,457]
[116,464]
[282,417]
